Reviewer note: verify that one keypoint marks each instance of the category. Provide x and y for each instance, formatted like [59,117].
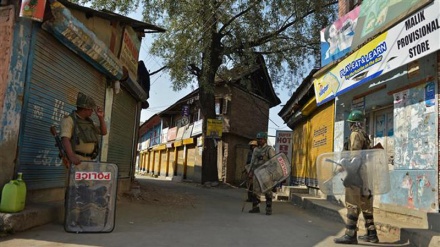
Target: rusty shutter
[122,141]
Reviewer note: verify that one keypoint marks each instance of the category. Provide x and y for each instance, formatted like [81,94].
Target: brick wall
[248,114]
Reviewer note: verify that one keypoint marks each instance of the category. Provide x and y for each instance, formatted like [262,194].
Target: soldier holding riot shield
[260,155]
[358,196]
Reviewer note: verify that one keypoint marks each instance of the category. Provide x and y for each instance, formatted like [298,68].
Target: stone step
[295,189]
[420,237]
[434,221]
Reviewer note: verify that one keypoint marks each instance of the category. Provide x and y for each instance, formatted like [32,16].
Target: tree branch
[193,69]
[235,17]
[267,37]
[159,70]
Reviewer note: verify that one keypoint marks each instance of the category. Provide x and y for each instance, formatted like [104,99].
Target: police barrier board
[91,197]
[271,173]
[363,169]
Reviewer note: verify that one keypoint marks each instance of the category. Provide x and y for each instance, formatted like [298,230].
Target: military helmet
[262,135]
[84,101]
[253,143]
[356,116]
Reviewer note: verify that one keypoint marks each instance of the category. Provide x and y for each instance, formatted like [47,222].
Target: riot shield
[91,197]
[363,169]
[271,173]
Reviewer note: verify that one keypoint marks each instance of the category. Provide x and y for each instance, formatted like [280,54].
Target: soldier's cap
[262,135]
[253,143]
[84,101]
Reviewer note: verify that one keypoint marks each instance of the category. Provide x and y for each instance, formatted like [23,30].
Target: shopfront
[394,80]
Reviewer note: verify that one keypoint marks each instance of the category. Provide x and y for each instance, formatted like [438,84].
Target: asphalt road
[165,213]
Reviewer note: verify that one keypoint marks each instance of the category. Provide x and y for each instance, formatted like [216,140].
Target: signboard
[187,132]
[377,15]
[164,136]
[78,38]
[415,37]
[129,53]
[185,110]
[172,133]
[214,128]
[180,132]
[336,39]
[283,142]
[198,128]
[33,9]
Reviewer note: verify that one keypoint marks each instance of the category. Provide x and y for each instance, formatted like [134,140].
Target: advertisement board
[413,38]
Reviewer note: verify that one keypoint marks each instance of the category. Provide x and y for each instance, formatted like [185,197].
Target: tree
[207,36]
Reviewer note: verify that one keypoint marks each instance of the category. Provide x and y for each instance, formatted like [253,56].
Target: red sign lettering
[93,176]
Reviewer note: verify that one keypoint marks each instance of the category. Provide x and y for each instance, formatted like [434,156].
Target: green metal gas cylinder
[13,195]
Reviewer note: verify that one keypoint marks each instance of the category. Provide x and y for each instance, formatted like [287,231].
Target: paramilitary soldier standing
[356,199]
[80,139]
[261,154]
[252,145]
[79,134]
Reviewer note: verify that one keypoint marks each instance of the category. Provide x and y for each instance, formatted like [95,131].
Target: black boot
[370,236]
[268,210]
[254,210]
[346,239]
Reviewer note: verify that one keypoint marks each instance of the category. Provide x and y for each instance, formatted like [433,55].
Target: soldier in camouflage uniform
[261,154]
[252,145]
[356,199]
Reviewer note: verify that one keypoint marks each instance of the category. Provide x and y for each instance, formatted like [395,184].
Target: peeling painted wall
[13,89]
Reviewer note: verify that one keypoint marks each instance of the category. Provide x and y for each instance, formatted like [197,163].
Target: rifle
[58,143]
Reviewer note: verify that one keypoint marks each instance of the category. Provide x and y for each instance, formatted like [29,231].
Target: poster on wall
[414,173]
[414,131]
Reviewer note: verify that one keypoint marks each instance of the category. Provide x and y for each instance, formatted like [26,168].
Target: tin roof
[138,26]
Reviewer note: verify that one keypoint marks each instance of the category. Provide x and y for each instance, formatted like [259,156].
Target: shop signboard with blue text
[413,38]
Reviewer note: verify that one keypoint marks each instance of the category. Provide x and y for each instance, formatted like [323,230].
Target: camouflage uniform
[356,200]
[259,157]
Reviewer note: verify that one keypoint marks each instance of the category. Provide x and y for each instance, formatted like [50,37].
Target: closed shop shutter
[180,162]
[122,131]
[57,75]
[190,161]
[299,153]
[321,134]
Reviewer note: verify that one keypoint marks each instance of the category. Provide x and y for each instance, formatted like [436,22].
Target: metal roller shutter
[56,76]
[122,130]
[321,134]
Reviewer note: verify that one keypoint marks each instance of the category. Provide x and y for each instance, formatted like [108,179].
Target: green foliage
[285,32]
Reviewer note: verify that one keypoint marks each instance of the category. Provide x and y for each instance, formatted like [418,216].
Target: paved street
[166,213]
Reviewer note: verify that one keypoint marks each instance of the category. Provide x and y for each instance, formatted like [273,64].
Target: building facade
[69,49]
[242,105]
